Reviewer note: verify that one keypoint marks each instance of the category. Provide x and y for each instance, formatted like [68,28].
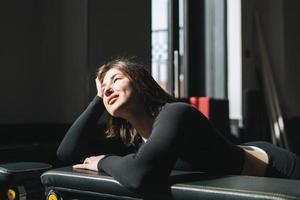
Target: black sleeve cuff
[101,161]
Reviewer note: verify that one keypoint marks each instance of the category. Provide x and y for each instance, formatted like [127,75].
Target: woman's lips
[112,99]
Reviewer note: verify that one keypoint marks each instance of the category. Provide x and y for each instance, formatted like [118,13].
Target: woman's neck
[142,122]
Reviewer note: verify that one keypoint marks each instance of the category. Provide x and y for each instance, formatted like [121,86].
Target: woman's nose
[108,91]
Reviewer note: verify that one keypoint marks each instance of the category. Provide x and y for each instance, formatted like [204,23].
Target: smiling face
[118,93]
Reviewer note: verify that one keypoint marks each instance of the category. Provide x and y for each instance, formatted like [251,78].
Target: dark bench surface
[184,185]
[19,171]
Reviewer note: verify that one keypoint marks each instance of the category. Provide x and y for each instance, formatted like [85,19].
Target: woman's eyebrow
[111,78]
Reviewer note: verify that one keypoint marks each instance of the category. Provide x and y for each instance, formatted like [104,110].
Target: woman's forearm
[82,130]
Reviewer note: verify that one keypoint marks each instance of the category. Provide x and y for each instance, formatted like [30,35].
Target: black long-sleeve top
[181,138]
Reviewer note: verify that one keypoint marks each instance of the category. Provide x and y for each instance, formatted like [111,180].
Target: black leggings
[282,163]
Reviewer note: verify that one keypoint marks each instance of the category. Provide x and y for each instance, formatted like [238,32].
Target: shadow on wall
[31,142]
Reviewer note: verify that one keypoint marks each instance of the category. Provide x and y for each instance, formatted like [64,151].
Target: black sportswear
[181,138]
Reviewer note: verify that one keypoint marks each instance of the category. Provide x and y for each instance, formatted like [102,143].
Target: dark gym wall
[50,49]
[43,61]
[279,20]
[61,79]
[119,28]
[291,54]
[18,35]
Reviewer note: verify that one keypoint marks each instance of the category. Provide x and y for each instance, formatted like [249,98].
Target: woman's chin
[114,111]
[118,109]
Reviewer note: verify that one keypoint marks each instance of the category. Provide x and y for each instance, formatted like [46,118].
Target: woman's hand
[98,86]
[90,163]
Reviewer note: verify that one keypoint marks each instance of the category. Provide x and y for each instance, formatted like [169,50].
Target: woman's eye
[116,79]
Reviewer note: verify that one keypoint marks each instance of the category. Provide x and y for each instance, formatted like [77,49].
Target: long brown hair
[152,94]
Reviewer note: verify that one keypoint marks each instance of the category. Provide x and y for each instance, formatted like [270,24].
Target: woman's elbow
[62,156]
[134,184]
[144,184]
[65,156]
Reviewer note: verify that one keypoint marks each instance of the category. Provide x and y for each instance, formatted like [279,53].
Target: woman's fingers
[79,166]
[89,163]
[85,166]
[98,86]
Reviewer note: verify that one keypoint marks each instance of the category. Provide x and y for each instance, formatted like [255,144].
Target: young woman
[148,134]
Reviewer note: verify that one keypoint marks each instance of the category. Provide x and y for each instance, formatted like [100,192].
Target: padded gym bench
[21,180]
[67,183]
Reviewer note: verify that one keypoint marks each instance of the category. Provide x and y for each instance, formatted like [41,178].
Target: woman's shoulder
[177,106]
